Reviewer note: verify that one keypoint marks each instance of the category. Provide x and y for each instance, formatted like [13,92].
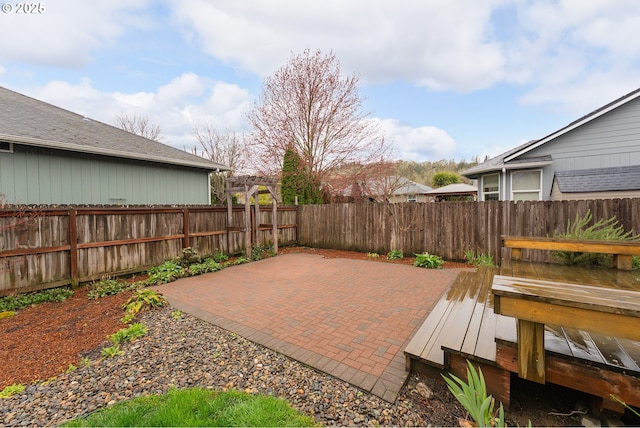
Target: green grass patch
[198,407]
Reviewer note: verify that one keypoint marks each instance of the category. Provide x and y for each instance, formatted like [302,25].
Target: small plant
[478,259]
[70,368]
[238,261]
[220,257]
[7,314]
[111,351]
[14,302]
[134,331]
[8,391]
[395,255]
[205,266]
[107,286]
[373,255]
[429,261]
[258,252]
[625,405]
[176,315]
[85,362]
[188,257]
[166,272]
[473,397]
[143,300]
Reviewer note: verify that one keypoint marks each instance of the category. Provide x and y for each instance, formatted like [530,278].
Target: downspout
[209,187]
[504,184]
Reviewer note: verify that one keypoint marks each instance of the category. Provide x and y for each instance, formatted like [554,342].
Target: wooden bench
[534,303]
[622,251]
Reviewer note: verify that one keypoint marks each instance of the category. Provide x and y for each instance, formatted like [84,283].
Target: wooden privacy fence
[44,248]
[448,229]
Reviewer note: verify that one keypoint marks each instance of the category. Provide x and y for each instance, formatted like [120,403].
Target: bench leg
[531,362]
[623,262]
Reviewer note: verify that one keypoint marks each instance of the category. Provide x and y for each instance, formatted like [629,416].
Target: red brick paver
[348,318]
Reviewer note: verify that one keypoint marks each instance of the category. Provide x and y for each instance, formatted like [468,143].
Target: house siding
[32,175]
[610,140]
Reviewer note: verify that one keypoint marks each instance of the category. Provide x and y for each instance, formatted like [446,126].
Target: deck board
[463,321]
[481,315]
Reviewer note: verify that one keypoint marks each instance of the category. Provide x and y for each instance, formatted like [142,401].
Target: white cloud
[68,31]
[419,144]
[575,55]
[437,44]
[176,106]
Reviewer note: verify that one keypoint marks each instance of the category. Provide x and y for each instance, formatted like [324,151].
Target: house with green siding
[49,155]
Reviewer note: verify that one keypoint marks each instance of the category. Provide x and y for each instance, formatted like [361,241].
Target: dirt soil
[41,342]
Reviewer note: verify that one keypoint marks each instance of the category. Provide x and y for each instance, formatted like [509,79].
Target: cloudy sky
[447,79]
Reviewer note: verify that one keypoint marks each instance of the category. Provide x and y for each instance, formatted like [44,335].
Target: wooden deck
[463,326]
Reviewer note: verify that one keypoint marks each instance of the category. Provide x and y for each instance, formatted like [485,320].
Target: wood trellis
[249,185]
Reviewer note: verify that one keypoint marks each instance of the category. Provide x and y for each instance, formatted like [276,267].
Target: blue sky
[446,79]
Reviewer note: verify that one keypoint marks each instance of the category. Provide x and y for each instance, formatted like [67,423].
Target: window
[412,198]
[6,147]
[526,185]
[491,187]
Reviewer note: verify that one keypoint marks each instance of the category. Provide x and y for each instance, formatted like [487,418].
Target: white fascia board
[563,131]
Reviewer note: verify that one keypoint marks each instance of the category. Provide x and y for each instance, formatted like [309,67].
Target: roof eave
[508,167]
[588,118]
[58,145]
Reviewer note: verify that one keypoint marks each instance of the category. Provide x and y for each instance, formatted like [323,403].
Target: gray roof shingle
[25,120]
[599,179]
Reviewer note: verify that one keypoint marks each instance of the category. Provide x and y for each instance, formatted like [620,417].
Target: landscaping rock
[192,353]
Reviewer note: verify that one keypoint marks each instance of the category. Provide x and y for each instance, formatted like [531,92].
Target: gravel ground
[189,352]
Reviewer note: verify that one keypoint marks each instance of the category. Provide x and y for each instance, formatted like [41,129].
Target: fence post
[73,247]
[185,228]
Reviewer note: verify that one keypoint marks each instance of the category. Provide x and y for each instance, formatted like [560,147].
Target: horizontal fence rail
[449,229]
[44,248]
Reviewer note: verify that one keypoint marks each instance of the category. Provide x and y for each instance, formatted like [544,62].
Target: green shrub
[188,257]
[373,255]
[602,230]
[13,302]
[430,261]
[395,255]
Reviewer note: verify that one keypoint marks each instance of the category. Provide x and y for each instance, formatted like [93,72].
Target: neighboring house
[49,155]
[455,192]
[410,191]
[596,156]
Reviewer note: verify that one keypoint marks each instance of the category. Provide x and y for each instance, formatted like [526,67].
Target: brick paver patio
[348,318]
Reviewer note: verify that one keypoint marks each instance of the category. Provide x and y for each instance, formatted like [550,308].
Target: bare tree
[308,106]
[139,125]
[226,148]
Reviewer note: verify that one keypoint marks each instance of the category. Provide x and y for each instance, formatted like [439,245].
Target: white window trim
[10,150]
[413,197]
[490,193]
[539,190]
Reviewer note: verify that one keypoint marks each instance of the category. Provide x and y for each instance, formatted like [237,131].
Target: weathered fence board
[44,248]
[450,228]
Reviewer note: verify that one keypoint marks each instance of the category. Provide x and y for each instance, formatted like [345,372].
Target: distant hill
[422,172]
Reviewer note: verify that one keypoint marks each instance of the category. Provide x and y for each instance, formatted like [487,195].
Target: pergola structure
[249,185]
